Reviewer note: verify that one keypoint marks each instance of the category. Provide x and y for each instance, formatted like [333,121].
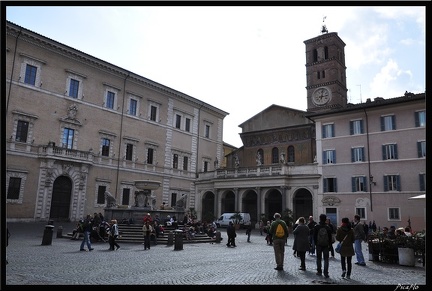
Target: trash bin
[48,234]
[170,238]
[60,232]
[178,243]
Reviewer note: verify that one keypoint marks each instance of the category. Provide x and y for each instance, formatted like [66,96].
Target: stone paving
[62,263]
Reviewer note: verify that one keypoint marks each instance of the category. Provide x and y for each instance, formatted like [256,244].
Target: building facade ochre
[335,158]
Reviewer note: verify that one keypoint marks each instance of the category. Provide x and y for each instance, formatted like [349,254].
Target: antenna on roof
[324,27]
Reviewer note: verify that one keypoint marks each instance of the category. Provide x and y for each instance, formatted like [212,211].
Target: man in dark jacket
[322,250]
[231,233]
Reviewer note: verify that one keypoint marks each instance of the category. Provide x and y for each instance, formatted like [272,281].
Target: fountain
[145,202]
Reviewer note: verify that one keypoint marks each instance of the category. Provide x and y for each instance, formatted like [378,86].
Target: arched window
[325,53]
[291,154]
[315,55]
[275,155]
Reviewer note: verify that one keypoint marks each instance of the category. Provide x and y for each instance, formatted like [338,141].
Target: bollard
[178,244]
[47,236]
[218,237]
[60,232]
[170,238]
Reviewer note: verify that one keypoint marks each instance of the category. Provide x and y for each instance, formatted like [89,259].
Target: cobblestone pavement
[62,263]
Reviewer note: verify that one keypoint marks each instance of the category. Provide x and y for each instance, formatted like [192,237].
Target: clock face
[321,96]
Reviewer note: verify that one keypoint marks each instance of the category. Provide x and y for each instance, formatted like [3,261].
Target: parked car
[225,218]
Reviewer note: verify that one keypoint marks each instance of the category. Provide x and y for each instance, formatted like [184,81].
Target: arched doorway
[302,202]
[228,202]
[249,203]
[273,203]
[208,207]
[61,196]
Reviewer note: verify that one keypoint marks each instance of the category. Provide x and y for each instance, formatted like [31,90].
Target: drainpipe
[369,164]
[121,133]
[13,66]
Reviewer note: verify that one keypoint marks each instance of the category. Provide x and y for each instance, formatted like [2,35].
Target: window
[422,180]
[393,213]
[14,188]
[329,157]
[328,130]
[101,195]
[388,123]
[133,105]
[420,118]
[153,113]
[185,163]
[105,147]
[323,74]
[329,185]
[356,127]
[206,166]
[260,157]
[275,155]
[150,153]
[361,211]
[291,154]
[125,196]
[110,99]
[187,124]
[68,137]
[22,131]
[73,88]
[389,152]
[30,75]
[129,152]
[207,131]
[178,121]
[318,75]
[173,199]
[359,184]
[392,183]
[421,149]
[175,161]
[357,154]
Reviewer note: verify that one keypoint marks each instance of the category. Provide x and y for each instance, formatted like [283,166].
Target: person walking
[322,237]
[345,235]
[114,233]
[333,231]
[278,240]
[248,232]
[231,233]
[301,241]
[359,238]
[87,229]
[311,224]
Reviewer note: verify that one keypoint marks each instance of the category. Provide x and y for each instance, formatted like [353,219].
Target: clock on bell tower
[325,72]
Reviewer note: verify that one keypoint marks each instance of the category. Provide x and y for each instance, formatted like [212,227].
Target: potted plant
[408,246]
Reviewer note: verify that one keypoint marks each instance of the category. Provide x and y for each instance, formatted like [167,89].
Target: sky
[243,59]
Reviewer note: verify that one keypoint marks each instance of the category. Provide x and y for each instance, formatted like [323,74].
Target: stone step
[132,233]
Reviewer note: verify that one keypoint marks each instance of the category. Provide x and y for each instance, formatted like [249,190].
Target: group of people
[319,237]
[96,224]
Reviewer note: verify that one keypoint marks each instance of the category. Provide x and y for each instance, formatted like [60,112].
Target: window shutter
[382,123]
[365,183]
[361,126]
[335,184]
[334,156]
[351,128]
[352,155]
[323,132]
[383,147]
[395,151]
[353,184]
[417,119]
[362,154]
[325,181]
[385,184]
[393,122]
[419,151]
[422,184]
[398,183]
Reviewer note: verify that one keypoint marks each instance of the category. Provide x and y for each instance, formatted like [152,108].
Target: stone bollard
[47,236]
[60,232]
[170,238]
[218,237]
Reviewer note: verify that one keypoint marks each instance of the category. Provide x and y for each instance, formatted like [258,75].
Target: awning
[422,196]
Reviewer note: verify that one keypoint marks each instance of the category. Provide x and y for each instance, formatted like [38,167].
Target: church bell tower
[325,72]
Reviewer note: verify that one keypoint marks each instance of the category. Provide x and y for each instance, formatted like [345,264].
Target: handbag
[339,245]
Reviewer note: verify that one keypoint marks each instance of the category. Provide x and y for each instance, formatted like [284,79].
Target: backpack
[322,239]
[280,232]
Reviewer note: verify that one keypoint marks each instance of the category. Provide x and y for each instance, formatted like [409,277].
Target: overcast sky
[243,59]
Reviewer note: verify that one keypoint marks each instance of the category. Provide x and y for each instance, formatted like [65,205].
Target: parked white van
[225,218]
